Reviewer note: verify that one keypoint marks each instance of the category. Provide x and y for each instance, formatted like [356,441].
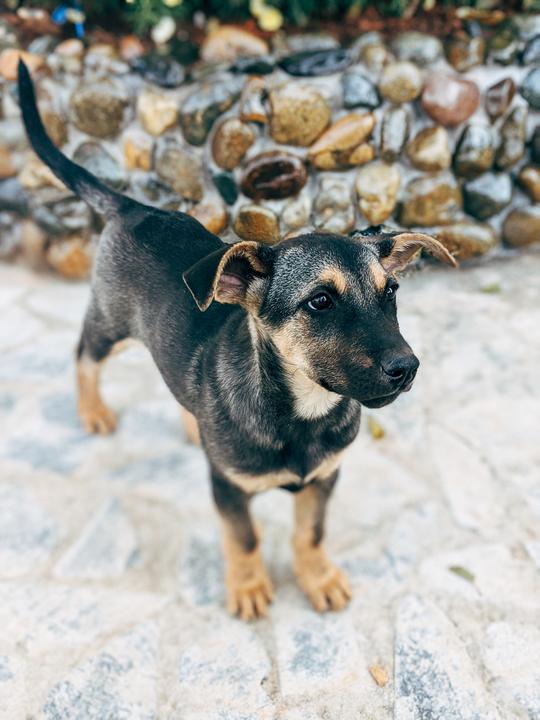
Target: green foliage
[140,15]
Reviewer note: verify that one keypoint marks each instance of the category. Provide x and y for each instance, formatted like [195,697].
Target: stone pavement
[111,596]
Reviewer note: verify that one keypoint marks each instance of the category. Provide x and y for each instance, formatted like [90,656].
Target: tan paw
[249,599]
[98,419]
[327,591]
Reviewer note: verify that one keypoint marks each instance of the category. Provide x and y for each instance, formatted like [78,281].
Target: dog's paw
[98,419]
[326,586]
[249,598]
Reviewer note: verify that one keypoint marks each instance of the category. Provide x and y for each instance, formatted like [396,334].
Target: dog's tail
[80,181]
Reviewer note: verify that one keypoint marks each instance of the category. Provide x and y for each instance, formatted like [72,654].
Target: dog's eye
[391,290]
[321,301]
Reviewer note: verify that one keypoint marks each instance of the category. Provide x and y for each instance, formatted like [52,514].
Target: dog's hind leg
[325,584]
[94,347]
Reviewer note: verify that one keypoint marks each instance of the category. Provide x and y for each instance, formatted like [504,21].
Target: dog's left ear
[229,274]
[397,250]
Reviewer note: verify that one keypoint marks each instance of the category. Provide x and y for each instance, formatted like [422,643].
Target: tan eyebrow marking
[379,275]
[334,276]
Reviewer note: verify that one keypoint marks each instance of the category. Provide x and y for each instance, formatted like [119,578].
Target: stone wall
[262,140]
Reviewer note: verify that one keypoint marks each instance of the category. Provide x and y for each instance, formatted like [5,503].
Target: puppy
[273,350]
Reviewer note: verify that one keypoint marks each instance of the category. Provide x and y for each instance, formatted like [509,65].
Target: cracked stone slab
[435,678]
[106,547]
[317,653]
[46,617]
[119,682]
[12,690]
[27,532]
[511,655]
[222,673]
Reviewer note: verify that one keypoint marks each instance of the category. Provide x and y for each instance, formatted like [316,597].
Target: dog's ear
[396,250]
[229,274]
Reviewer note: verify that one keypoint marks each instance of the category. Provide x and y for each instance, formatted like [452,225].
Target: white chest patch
[311,400]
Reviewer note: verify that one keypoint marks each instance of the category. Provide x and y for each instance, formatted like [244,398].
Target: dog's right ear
[229,274]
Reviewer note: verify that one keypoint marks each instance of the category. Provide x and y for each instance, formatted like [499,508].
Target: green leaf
[462,572]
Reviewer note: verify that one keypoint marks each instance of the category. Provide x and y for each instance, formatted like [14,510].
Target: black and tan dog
[272,349]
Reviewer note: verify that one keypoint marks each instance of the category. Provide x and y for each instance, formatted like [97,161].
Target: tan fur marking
[95,416]
[249,591]
[379,275]
[311,400]
[326,586]
[259,483]
[191,426]
[334,276]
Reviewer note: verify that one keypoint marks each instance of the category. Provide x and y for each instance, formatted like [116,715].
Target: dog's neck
[311,401]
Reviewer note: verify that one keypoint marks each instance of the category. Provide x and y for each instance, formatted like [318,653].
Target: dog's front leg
[326,585]
[249,590]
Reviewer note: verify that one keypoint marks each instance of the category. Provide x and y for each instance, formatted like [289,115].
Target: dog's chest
[290,474]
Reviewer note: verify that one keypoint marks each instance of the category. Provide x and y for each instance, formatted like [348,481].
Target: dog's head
[327,303]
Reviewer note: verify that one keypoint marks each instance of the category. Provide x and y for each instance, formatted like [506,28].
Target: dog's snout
[400,369]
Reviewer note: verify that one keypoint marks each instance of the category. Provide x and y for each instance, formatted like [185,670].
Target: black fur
[224,367]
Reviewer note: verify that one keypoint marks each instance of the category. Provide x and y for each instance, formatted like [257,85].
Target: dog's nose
[400,369]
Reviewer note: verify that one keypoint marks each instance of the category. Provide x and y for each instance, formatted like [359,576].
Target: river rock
[273,175]
[305,42]
[138,150]
[61,217]
[254,65]
[513,137]
[33,244]
[400,82]
[474,151]
[56,126]
[226,186]
[13,196]
[531,53]
[529,179]
[68,57]
[10,236]
[7,165]
[394,132]
[297,211]
[431,200]
[299,114]
[449,100]
[535,145]
[156,111]
[358,90]
[466,240]
[130,47]
[227,43]
[377,186]
[487,195]
[231,141]
[212,214]
[98,109]
[376,57]
[311,63]
[72,257]
[530,88]
[499,96]
[94,158]
[522,226]
[204,105]
[465,52]
[180,168]
[503,46]
[527,25]
[429,149]
[150,190]
[343,144]
[252,101]
[334,211]
[254,222]
[9,62]
[417,47]
[35,174]
[158,69]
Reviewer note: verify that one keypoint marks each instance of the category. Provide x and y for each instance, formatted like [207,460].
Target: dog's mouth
[382,400]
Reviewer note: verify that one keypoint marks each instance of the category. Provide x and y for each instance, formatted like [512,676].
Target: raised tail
[100,198]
